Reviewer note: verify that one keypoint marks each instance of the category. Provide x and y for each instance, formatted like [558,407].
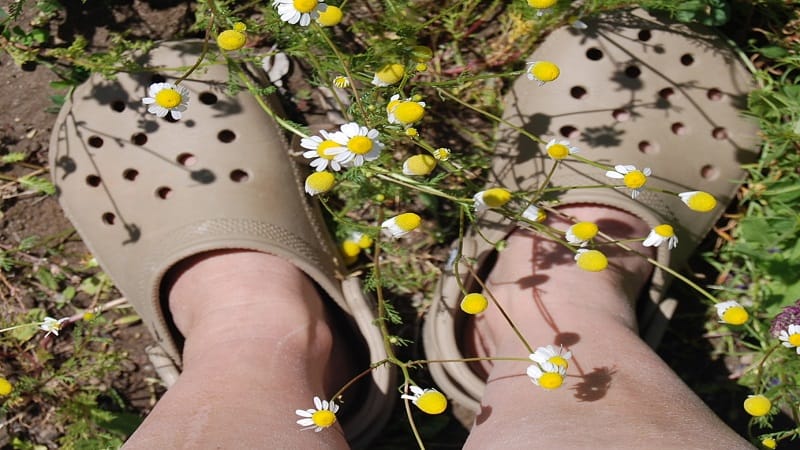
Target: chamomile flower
[362,240]
[661,234]
[341,82]
[319,151]
[319,183]
[547,375]
[166,98]
[404,112]
[633,178]
[357,145]
[322,415]
[474,303]
[299,11]
[491,198]
[591,260]
[389,74]
[552,354]
[698,200]
[534,214]
[581,233]
[769,442]
[429,401]
[731,312]
[542,71]
[560,149]
[541,4]
[419,165]
[233,39]
[790,337]
[402,224]
[51,325]
[757,405]
[442,154]
[331,16]
[350,251]
[5,387]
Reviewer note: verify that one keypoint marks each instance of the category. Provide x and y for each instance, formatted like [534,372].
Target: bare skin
[258,347]
[618,393]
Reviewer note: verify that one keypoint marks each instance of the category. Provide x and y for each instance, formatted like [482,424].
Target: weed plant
[419,85]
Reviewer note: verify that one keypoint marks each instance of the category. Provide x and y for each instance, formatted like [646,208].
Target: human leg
[258,347]
[618,392]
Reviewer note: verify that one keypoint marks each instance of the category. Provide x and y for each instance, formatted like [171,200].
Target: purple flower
[789,316]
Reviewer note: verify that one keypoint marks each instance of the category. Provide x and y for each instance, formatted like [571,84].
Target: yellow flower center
[391,73]
[442,154]
[325,145]
[365,241]
[359,145]
[541,4]
[5,387]
[412,132]
[421,164]
[350,250]
[545,71]
[550,380]
[558,151]
[664,230]
[168,98]
[736,315]
[769,442]
[305,6]
[701,202]
[757,405]
[794,339]
[391,106]
[496,197]
[474,303]
[89,316]
[320,182]
[323,418]
[634,179]
[584,230]
[432,402]
[559,361]
[408,112]
[330,17]
[231,40]
[340,81]
[407,221]
[592,261]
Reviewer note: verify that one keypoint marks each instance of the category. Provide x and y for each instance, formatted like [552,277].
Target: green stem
[346,69]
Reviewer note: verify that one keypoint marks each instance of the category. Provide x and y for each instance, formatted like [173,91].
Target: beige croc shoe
[145,193]
[633,90]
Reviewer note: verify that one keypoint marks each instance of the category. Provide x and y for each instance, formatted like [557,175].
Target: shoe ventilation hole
[687,59]
[649,148]
[226,136]
[139,139]
[719,133]
[109,218]
[207,98]
[578,92]
[645,35]
[633,71]
[163,192]
[93,180]
[186,159]
[239,176]
[621,114]
[666,93]
[679,128]
[595,54]
[95,141]
[709,172]
[156,78]
[130,174]
[118,105]
[569,132]
[714,94]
